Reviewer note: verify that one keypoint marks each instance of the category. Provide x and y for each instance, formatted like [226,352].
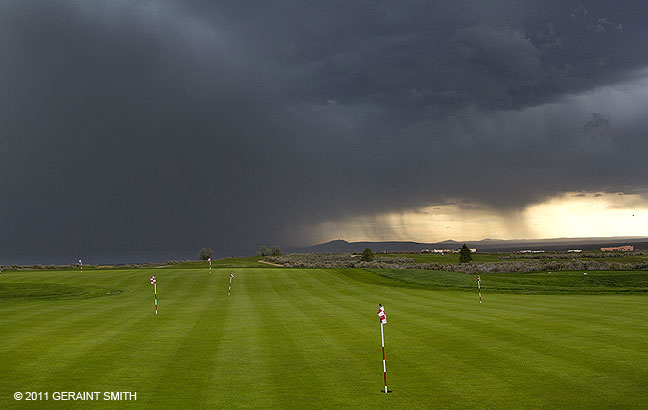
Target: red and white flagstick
[479,288]
[383,320]
[154,282]
[81,263]
[209,259]
[229,290]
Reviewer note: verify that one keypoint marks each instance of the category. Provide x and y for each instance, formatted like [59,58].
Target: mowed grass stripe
[59,316]
[536,351]
[415,370]
[85,332]
[244,375]
[480,357]
[364,335]
[396,305]
[90,339]
[331,338]
[190,349]
[333,364]
[356,326]
[289,350]
[469,325]
[575,313]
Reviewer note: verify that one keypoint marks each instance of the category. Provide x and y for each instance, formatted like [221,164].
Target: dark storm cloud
[169,126]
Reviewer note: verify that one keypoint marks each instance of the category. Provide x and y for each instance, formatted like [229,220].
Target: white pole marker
[383,320]
[154,283]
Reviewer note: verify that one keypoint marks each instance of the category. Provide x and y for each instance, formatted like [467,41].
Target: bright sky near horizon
[574,214]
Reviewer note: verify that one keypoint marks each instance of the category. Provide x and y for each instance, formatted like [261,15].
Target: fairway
[310,338]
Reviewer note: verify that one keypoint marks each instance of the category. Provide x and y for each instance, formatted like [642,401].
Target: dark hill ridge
[484,245]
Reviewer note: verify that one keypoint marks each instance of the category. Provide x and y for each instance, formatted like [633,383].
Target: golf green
[310,338]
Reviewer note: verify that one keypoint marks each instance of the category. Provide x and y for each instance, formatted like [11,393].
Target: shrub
[205,254]
[464,254]
[367,255]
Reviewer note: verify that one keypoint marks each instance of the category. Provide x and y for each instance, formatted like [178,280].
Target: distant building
[531,251]
[575,250]
[425,251]
[624,248]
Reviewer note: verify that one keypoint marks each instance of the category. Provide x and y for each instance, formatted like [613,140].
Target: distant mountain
[484,245]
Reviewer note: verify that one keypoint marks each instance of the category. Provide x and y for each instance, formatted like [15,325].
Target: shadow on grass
[51,291]
[599,282]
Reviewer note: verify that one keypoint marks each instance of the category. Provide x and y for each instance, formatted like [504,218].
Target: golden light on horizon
[589,215]
[567,215]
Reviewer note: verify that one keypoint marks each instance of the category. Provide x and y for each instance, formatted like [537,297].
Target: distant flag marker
[383,320]
[229,290]
[209,259]
[479,287]
[81,263]
[154,283]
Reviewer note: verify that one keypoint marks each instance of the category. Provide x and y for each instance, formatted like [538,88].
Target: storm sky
[152,129]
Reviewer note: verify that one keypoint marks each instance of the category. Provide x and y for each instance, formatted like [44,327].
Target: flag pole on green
[383,321]
[154,283]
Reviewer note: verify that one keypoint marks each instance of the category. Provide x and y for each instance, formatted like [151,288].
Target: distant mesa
[484,245]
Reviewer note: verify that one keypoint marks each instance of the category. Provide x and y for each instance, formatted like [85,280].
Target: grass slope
[530,283]
[296,339]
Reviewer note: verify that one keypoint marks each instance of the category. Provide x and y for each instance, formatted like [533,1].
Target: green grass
[309,338]
[50,291]
[525,283]
[623,259]
[246,262]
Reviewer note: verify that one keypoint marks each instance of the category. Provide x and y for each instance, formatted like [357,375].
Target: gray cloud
[170,126]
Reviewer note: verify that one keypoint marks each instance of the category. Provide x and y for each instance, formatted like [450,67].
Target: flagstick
[479,288]
[382,337]
[155,293]
[229,289]
[209,265]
